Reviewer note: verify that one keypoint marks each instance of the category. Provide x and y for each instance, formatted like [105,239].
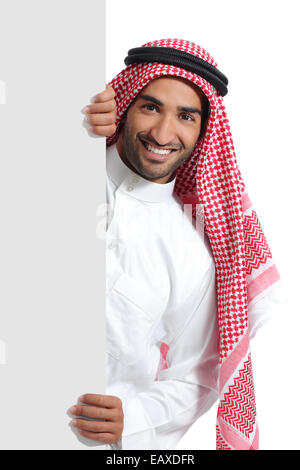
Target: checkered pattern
[212,178]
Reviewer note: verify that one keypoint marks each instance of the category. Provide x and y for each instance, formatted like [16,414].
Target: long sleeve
[159,415]
[266,306]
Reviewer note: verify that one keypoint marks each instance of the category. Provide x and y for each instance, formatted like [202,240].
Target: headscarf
[245,269]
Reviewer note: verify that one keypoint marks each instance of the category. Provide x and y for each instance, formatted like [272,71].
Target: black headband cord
[185,60]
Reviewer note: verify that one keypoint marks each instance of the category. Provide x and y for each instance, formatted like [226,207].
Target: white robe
[161,288]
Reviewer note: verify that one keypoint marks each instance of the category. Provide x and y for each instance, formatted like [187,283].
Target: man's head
[167,115]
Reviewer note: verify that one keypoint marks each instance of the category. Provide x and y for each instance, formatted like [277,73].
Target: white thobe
[161,296]
[160,291]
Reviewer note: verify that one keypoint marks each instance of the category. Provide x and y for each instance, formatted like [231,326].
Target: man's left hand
[99,407]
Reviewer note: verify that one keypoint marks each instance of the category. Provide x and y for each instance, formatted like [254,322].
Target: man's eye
[188,116]
[147,106]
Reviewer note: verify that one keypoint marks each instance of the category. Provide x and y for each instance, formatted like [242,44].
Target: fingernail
[74,422]
[86,109]
[90,128]
[73,409]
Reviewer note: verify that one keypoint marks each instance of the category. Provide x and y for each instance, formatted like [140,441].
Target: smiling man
[190,277]
[159,132]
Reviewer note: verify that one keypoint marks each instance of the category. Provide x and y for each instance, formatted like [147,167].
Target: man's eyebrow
[186,109]
[151,98]
[189,109]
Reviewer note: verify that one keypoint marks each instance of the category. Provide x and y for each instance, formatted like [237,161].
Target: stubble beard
[152,170]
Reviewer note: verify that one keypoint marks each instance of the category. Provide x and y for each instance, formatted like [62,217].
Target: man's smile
[157,153]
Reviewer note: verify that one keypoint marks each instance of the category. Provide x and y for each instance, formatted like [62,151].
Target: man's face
[161,128]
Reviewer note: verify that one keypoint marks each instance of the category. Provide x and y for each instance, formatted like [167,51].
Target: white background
[256,44]
[52,180]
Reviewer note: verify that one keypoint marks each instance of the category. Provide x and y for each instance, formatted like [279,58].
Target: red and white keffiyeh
[244,265]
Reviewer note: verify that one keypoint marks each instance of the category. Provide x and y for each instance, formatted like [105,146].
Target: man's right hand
[101,115]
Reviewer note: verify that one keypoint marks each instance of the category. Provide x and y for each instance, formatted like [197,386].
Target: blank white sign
[52,182]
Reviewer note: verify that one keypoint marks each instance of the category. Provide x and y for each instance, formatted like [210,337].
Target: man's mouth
[156,150]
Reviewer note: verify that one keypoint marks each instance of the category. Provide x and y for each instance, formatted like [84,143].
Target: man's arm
[159,415]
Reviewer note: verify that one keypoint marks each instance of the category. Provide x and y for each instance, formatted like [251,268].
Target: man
[183,298]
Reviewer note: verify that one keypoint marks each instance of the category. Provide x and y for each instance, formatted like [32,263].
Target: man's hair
[204,114]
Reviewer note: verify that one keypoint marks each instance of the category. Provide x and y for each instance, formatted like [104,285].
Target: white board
[52,180]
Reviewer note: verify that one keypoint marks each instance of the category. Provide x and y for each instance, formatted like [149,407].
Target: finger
[93,412]
[108,401]
[93,426]
[108,438]
[103,130]
[101,107]
[101,119]
[105,95]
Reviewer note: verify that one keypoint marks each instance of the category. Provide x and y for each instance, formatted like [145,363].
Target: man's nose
[164,131]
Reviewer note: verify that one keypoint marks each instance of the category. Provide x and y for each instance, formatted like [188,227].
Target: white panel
[52,180]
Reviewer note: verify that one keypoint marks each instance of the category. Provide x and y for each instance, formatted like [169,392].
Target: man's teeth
[156,150]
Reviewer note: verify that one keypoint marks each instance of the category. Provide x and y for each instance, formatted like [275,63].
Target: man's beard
[152,170]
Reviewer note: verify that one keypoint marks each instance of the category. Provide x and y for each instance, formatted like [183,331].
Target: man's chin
[145,172]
